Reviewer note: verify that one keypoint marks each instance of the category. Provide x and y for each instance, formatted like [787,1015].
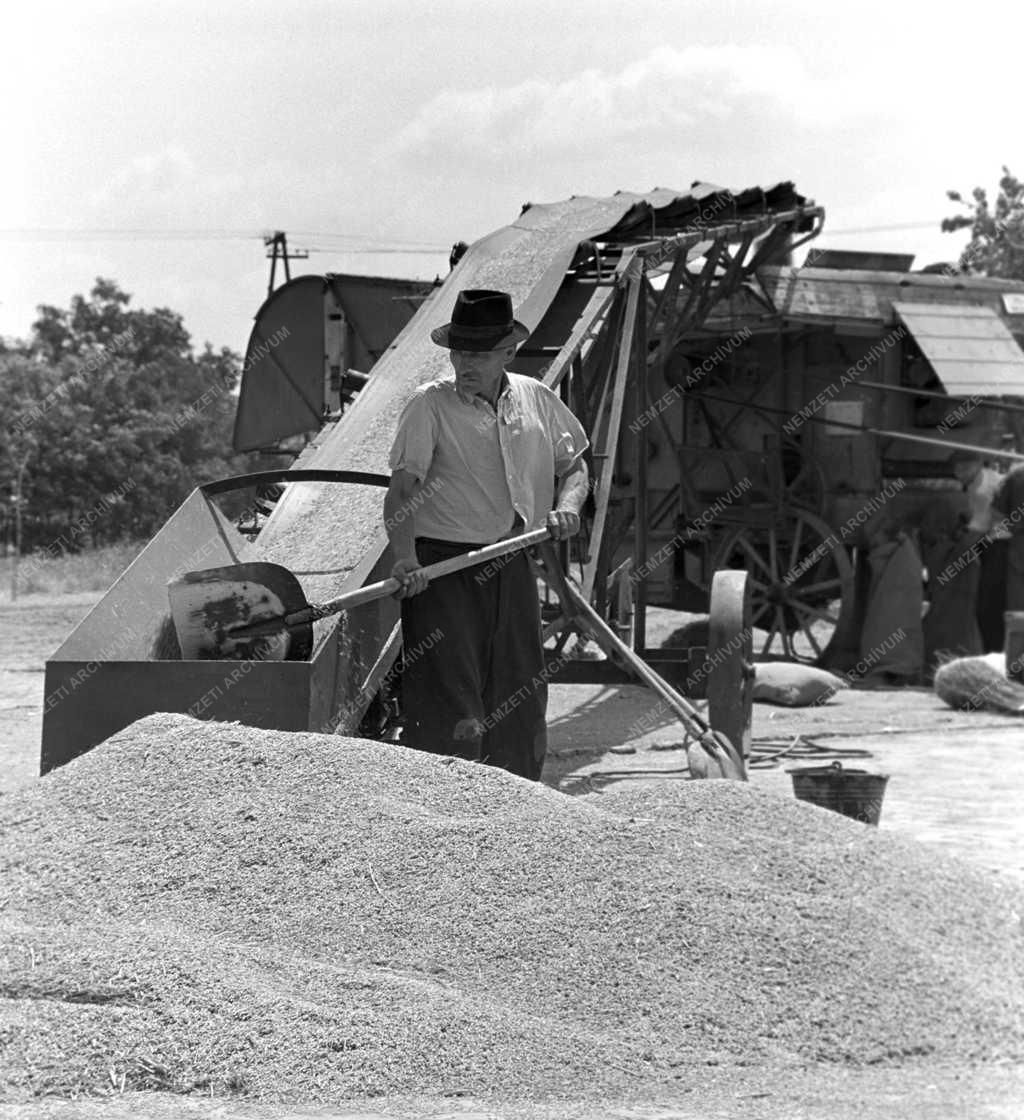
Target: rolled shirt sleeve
[415,437]
[568,439]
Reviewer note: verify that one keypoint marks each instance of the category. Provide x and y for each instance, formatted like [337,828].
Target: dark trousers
[1015,573]
[992,595]
[473,680]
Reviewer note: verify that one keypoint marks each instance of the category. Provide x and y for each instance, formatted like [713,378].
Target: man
[987,539]
[1009,506]
[475,460]
[895,598]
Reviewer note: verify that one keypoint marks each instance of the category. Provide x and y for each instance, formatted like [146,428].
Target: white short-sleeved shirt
[480,466]
[980,493]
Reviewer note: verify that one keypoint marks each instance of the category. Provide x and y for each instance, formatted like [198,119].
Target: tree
[129,417]
[105,320]
[996,247]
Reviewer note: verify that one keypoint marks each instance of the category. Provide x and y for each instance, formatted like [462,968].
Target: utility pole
[277,246]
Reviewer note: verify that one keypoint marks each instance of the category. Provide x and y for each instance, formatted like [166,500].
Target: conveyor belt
[322,532]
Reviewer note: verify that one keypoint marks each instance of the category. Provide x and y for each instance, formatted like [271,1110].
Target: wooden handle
[714,742]
[432,571]
[606,637]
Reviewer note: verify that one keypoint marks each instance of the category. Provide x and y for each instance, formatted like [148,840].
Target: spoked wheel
[801,583]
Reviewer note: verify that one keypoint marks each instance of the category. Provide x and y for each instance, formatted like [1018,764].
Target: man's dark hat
[481,320]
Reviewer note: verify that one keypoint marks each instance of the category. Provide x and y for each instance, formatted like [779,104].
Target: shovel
[258,611]
[713,755]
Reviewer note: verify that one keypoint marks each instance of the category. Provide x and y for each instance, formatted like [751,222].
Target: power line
[431,252]
[126,235]
[315,235]
[42,233]
[936,225]
[364,243]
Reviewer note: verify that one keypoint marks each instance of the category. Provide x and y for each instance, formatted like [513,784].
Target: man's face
[479,371]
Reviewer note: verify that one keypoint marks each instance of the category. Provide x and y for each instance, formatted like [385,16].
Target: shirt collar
[504,390]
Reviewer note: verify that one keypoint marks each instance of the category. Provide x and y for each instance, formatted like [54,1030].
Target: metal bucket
[854,793]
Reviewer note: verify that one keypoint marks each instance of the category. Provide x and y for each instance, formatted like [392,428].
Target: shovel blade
[207,606]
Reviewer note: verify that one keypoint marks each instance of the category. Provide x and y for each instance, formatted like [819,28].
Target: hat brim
[443,337]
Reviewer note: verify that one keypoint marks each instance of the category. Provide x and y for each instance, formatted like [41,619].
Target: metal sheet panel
[849,296]
[377,308]
[121,661]
[969,347]
[282,391]
[87,701]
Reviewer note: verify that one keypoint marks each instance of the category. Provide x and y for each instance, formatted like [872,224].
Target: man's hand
[410,575]
[562,524]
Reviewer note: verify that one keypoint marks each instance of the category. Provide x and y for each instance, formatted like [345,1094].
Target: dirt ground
[956,782]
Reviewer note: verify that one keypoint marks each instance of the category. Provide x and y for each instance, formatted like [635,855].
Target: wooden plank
[968,351]
[606,383]
[640,526]
[671,290]
[969,347]
[612,436]
[689,315]
[943,311]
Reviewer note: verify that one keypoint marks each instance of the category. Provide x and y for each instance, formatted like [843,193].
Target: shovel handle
[715,743]
[690,718]
[387,587]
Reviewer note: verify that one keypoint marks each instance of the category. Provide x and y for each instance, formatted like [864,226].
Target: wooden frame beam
[610,446]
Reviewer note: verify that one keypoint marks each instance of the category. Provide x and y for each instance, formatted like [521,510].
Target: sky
[156,144]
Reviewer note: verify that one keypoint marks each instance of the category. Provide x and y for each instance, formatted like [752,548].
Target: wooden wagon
[774,418]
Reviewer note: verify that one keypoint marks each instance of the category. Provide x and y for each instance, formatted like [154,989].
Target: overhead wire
[935,224]
[43,233]
[363,243]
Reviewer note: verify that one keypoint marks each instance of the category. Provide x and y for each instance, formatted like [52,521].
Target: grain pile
[299,917]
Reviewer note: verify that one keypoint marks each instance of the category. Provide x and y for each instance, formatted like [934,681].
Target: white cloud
[663,97]
[169,189]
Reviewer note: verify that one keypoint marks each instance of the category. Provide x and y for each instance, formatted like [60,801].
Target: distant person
[987,538]
[948,550]
[892,641]
[459,250]
[1008,503]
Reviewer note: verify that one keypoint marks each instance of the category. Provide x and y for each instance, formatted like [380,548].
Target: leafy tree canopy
[117,416]
[996,247]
